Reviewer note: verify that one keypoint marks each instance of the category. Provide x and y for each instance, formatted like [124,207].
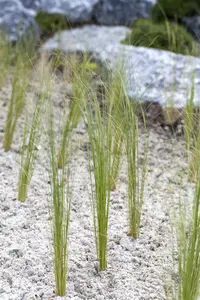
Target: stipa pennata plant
[189,121]
[100,136]
[81,78]
[33,131]
[188,245]
[195,155]
[115,97]
[21,58]
[192,132]
[17,102]
[136,170]
[5,46]
[60,208]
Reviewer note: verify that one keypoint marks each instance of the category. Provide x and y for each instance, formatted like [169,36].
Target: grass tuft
[61,204]
[5,47]
[188,243]
[32,132]
[100,138]
[115,97]
[17,102]
[136,181]
[21,56]
[81,79]
[192,132]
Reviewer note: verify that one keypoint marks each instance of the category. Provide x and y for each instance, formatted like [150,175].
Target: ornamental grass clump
[5,46]
[115,98]
[21,57]
[188,244]
[100,136]
[33,131]
[17,102]
[192,132]
[189,120]
[81,79]
[60,208]
[136,170]
[194,155]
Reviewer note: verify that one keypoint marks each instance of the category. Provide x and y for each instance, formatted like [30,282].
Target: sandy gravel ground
[137,269]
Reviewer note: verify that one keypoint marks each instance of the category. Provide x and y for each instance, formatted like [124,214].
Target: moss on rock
[51,22]
[175,9]
[165,36]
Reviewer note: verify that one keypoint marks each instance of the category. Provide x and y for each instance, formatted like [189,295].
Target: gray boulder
[77,11]
[122,12]
[16,20]
[32,4]
[17,16]
[152,75]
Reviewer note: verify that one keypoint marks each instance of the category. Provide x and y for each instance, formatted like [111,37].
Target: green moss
[165,36]
[175,9]
[51,22]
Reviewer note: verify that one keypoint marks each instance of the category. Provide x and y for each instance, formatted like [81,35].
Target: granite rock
[152,75]
[17,16]
[122,12]
[77,11]
[16,20]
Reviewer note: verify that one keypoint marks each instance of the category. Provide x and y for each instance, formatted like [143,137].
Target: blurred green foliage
[51,22]
[165,36]
[175,9]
